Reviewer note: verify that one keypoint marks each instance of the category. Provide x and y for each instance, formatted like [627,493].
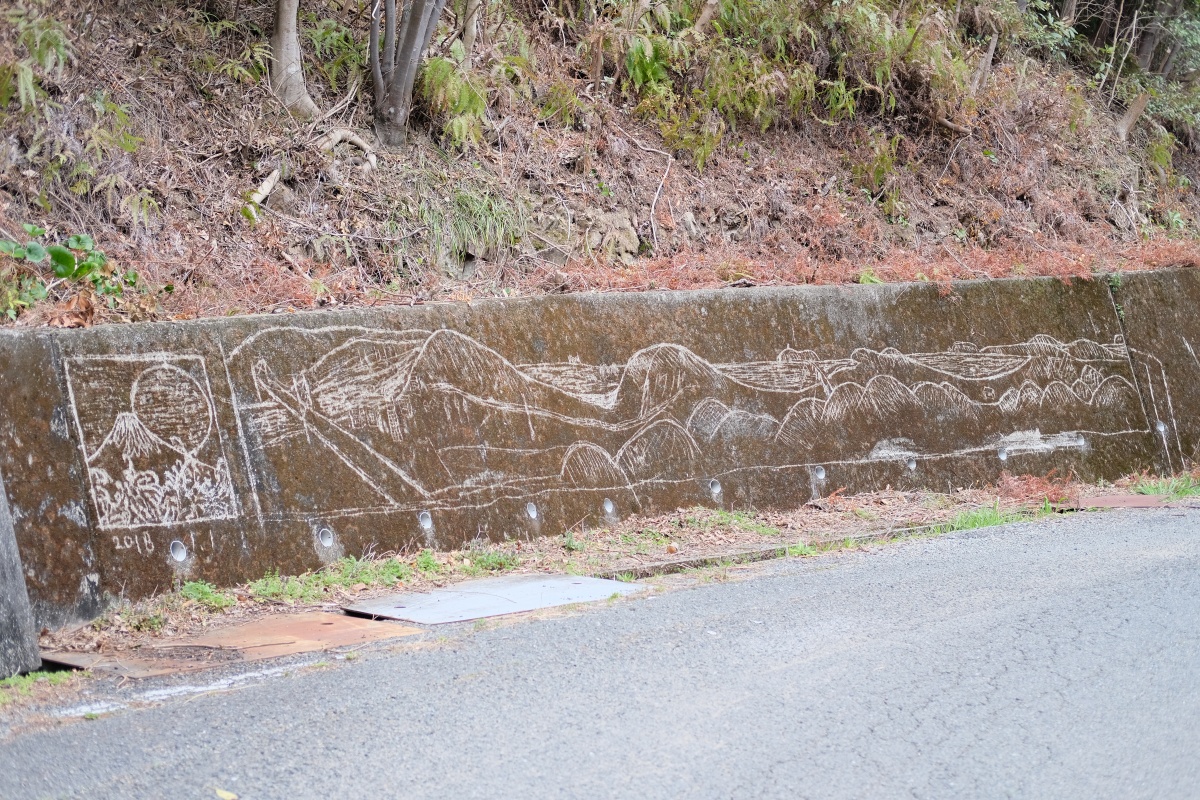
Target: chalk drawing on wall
[147,426]
[410,420]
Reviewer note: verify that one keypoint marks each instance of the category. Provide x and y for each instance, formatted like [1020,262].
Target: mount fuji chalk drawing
[146,425]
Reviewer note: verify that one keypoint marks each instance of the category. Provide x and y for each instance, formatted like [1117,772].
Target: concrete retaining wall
[137,456]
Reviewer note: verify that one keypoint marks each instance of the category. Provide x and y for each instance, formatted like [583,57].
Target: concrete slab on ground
[493,597]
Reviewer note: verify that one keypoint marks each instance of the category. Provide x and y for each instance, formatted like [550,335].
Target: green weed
[344,573]
[451,92]
[989,516]
[22,685]
[74,259]
[19,292]
[495,562]
[145,622]
[427,562]
[742,520]
[206,595]
[1173,488]
[47,49]
[562,105]
[476,222]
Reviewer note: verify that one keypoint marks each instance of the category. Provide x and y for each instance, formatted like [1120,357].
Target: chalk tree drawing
[412,419]
[147,427]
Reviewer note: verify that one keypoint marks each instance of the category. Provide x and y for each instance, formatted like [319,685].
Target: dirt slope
[159,126]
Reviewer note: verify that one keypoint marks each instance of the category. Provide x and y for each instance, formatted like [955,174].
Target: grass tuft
[22,685]
[1173,488]
[205,594]
[740,519]
[495,562]
[345,573]
[989,516]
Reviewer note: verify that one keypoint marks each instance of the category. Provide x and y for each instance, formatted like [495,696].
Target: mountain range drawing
[148,440]
[415,419]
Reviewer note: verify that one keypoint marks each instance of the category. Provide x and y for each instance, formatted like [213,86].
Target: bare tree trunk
[1116,34]
[1168,65]
[471,26]
[1125,126]
[1132,38]
[1104,29]
[1068,13]
[287,63]
[985,65]
[1154,33]
[711,7]
[394,67]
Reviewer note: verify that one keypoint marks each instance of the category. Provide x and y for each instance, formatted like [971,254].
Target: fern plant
[47,49]
[646,61]
[340,58]
[450,91]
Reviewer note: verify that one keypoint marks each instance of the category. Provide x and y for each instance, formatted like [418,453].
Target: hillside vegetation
[149,170]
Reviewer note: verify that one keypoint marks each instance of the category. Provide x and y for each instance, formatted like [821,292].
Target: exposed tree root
[333,138]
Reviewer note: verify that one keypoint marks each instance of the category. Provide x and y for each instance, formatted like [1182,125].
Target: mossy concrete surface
[18,636]
[139,456]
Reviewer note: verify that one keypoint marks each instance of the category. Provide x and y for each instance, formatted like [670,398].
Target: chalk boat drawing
[417,420]
[147,428]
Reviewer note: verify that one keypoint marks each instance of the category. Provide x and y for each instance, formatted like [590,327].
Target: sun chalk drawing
[147,429]
[416,420]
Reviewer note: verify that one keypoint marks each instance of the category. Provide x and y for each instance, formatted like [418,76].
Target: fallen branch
[638,144]
[351,93]
[654,205]
[260,195]
[945,123]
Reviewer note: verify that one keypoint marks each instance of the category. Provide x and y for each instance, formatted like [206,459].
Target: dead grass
[1041,187]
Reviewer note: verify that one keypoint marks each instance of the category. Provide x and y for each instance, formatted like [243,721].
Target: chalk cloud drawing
[147,425]
[413,420]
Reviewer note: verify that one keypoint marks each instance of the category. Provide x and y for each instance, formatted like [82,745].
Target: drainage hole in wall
[1160,426]
[1002,454]
[425,520]
[326,537]
[819,473]
[178,550]
[912,465]
[608,506]
[531,510]
[714,487]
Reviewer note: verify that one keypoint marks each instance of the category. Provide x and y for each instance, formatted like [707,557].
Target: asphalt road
[1057,660]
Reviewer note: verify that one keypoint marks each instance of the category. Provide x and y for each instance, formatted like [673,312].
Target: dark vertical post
[18,637]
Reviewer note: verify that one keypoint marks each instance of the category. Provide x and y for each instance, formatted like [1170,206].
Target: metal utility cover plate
[1131,501]
[492,597]
[289,634]
[271,636]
